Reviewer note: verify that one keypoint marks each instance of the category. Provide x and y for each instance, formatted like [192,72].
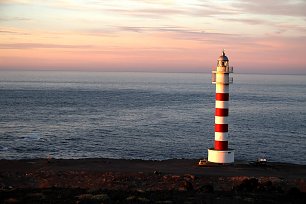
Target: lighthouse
[221,153]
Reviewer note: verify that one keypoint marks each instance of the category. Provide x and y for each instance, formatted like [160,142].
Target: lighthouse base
[221,156]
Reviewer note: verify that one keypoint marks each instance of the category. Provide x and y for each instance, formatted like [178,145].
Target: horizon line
[139,71]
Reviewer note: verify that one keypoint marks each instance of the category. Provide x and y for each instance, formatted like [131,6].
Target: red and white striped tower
[221,77]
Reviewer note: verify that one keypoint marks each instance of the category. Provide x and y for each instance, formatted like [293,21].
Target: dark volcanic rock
[185,186]
[248,185]
[93,199]
[206,188]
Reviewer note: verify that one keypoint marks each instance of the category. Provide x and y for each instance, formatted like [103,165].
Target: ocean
[151,116]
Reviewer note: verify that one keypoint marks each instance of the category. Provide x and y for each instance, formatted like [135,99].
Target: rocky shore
[139,181]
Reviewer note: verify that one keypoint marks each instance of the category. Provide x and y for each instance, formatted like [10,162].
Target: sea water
[151,116]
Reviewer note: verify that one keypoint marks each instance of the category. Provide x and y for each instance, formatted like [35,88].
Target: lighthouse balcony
[221,80]
[225,69]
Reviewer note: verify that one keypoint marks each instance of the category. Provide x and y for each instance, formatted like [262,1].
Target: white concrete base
[217,156]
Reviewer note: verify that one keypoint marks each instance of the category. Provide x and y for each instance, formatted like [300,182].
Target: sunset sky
[262,36]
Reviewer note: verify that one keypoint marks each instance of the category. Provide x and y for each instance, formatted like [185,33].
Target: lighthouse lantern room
[221,153]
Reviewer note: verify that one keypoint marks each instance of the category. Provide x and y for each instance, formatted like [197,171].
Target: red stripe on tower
[221,145]
[222,96]
[221,127]
[221,112]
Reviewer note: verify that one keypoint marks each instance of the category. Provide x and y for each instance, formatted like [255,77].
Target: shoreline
[172,166]
[169,178]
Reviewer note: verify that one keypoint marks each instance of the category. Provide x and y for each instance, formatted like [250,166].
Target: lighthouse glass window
[222,63]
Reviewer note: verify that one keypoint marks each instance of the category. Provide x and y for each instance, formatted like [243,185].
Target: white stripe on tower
[221,136]
[222,89]
[222,104]
[220,120]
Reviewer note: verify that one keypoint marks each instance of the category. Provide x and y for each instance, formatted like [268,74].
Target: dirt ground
[139,181]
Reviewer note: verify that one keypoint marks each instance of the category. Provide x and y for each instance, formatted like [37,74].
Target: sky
[262,36]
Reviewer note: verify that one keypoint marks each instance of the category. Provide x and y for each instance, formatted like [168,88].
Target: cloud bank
[154,34]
